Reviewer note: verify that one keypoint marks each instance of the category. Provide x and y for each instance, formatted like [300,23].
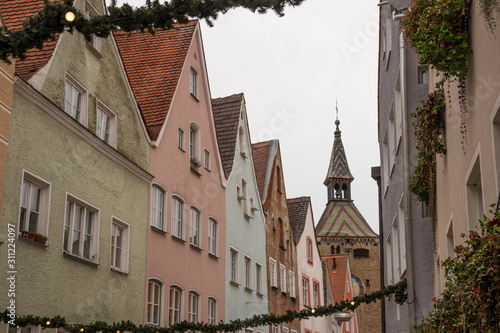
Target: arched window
[212,311]
[338,249]
[194,307]
[309,250]
[154,302]
[157,207]
[174,305]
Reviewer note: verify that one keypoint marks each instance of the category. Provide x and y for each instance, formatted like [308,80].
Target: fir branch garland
[153,15]
[398,290]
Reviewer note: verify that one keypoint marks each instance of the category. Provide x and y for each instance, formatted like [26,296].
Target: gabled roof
[338,168]
[297,213]
[260,153]
[154,64]
[14,13]
[338,270]
[342,219]
[227,112]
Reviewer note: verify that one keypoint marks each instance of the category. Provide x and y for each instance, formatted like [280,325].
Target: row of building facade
[130,194]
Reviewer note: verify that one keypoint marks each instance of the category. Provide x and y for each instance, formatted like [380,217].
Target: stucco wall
[247,235]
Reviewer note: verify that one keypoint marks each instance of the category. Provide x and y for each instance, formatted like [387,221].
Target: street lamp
[341,317]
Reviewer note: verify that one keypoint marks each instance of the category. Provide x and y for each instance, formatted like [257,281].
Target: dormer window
[193,82]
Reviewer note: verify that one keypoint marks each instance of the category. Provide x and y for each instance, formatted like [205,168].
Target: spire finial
[337,121]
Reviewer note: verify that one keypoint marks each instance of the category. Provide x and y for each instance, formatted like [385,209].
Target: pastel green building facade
[92,195]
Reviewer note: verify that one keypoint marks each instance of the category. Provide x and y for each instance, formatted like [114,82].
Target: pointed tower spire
[339,177]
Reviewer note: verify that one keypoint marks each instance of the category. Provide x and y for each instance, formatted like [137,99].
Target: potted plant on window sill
[28,234]
[195,167]
[41,239]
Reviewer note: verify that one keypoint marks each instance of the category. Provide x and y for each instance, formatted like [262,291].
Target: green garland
[398,290]
[51,21]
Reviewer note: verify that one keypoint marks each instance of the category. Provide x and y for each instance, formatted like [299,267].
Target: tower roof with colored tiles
[297,212]
[338,168]
[342,219]
[14,13]
[227,118]
[154,64]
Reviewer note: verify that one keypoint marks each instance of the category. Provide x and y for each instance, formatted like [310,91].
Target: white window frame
[284,329]
[90,12]
[31,180]
[194,226]
[193,307]
[213,229]
[309,250]
[178,216]
[194,143]
[246,202]
[175,306]
[316,294]
[154,302]
[157,208]
[69,229]
[276,328]
[291,281]
[180,139]
[206,159]
[82,110]
[283,278]
[258,277]
[117,224]
[212,311]
[233,264]
[101,110]
[247,267]
[242,141]
[272,273]
[305,291]
[193,82]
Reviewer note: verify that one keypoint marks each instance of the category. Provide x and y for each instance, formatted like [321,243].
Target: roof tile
[297,212]
[260,153]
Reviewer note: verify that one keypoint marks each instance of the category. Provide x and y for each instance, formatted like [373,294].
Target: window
[174,307]
[119,245]
[402,236]
[154,302]
[305,291]
[285,329]
[180,139]
[194,144]
[316,294]
[248,272]
[106,125]
[234,265]
[258,278]
[388,263]
[281,233]
[34,206]
[212,311]
[474,194]
[283,278]
[177,217]
[75,103]
[89,13]
[423,77]
[212,236]
[193,309]
[206,159]
[450,241]
[367,282]
[194,227]
[291,281]
[242,141]
[272,273]
[80,227]
[361,253]
[309,250]
[157,207]
[246,203]
[193,82]
[276,328]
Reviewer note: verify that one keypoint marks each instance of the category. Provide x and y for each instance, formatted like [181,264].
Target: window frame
[90,12]
[125,246]
[157,188]
[82,116]
[177,222]
[194,82]
[272,273]
[194,226]
[233,265]
[309,250]
[94,239]
[291,282]
[175,308]
[213,241]
[42,223]
[258,277]
[247,267]
[194,144]
[212,311]
[103,109]
[193,309]
[206,159]
[305,291]
[181,139]
[246,201]
[283,278]
[152,304]
[316,294]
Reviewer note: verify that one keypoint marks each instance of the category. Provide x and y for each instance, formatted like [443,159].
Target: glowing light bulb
[81,329]
[48,322]
[70,16]
[313,310]
[352,303]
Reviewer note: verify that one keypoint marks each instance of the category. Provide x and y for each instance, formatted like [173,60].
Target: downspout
[407,202]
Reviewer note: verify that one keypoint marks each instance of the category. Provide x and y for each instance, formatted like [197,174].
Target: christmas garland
[51,21]
[398,290]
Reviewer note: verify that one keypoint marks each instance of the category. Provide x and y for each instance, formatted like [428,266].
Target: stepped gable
[337,266]
[227,118]
[260,154]
[154,64]
[297,213]
[14,13]
[342,219]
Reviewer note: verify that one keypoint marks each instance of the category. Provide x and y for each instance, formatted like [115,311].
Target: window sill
[85,261]
[283,293]
[119,271]
[248,290]
[195,247]
[234,284]
[293,298]
[34,241]
[195,169]
[213,256]
[244,155]
[282,247]
[275,288]
[158,230]
[92,49]
[182,149]
[195,97]
[247,216]
[260,295]
[180,240]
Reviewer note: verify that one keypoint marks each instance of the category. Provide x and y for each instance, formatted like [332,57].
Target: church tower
[343,230]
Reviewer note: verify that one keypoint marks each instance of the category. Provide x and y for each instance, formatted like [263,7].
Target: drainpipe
[407,201]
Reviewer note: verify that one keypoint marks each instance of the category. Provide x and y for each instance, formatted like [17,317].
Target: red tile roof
[260,153]
[14,13]
[153,64]
[337,265]
[227,118]
[297,212]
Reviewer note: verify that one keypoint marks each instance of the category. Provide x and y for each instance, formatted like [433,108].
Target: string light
[313,310]
[48,322]
[70,16]
[352,303]
[81,329]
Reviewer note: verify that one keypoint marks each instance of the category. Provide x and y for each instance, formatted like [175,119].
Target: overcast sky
[291,70]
